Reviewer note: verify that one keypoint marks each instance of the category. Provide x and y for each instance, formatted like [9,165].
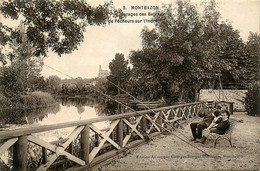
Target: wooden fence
[88,145]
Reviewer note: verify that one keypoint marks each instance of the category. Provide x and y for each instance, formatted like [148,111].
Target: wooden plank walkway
[166,152]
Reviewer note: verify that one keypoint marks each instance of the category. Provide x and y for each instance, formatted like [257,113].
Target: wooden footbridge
[88,145]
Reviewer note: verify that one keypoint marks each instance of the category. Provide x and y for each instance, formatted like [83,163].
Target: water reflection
[26,116]
[69,101]
[66,110]
[108,107]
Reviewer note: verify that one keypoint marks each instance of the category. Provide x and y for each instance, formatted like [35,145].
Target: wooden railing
[88,145]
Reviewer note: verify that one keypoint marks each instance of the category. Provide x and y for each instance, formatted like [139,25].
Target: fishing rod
[109,97]
[121,102]
[145,106]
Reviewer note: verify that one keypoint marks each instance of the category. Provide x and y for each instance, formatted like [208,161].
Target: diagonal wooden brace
[133,127]
[105,138]
[58,150]
[4,146]
[183,113]
[105,135]
[153,122]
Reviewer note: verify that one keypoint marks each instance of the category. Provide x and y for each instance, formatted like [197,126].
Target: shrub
[252,100]
[38,99]
[5,102]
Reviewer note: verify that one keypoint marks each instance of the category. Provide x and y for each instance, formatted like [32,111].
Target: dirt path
[166,152]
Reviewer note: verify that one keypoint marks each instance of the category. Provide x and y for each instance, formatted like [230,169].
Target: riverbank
[31,100]
[26,109]
[166,152]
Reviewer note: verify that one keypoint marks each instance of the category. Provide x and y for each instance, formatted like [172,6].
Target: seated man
[197,127]
[219,125]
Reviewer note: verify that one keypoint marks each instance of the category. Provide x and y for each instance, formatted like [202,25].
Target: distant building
[102,73]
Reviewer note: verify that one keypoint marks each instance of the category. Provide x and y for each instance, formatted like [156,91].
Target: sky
[102,43]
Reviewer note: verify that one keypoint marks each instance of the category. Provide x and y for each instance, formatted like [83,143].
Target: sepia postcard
[129,85]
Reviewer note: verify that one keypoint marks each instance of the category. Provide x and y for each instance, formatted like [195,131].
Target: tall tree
[54,84]
[169,50]
[185,52]
[18,76]
[119,74]
[253,58]
[54,24]
[222,46]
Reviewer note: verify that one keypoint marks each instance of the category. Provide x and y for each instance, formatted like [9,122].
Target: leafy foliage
[49,24]
[38,99]
[252,81]
[252,100]
[17,78]
[253,58]
[54,84]
[186,51]
[119,74]
[54,24]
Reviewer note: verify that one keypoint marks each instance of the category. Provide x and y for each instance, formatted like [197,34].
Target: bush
[252,100]
[32,100]
[38,99]
[5,102]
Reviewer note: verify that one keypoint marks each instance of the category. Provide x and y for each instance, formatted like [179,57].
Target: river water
[66,110]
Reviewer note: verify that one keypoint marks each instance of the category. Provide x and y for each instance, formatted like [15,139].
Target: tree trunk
[196,94]
[180,99]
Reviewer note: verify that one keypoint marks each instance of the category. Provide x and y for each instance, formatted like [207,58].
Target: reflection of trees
[102,106]
[26,116]
[35,115]
[80,109]
[67,101]
[107,107]
[29,116]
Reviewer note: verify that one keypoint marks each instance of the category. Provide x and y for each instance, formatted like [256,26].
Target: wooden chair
[228,135]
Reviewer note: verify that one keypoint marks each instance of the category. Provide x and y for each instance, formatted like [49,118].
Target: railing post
[196,109]
[216,104]
[20,154]
[71,148]
[186,112]
[96,139]
[170,114]
[120,133]
[144,124]
[159,120]
[85,144]
[113,134]
[231,108]
[201,108]
[179,113]
[44,155]
[191,112]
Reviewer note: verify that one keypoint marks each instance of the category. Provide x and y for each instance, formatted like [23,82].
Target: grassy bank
[27,108]
[32,100]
